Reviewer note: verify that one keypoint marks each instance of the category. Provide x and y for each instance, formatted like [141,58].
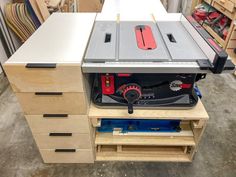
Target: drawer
[58,123]
[62,140]
[62,78]
[71,156]
[227,4]
[224,6]
[53,103]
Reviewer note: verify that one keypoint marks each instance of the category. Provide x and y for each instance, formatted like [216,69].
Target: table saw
[122,62]
[151,63]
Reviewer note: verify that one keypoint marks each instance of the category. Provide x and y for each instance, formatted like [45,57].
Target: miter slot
[107,37]
[171,38]
[102,44]
[179,42]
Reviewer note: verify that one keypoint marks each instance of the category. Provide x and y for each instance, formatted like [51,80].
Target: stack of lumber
[20,21]
[24,17]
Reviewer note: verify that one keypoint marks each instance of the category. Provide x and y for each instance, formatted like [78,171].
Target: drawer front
[79,156]
[70,124]
[63,78]
[63,140]
[227,4]
[226,8]
[53,103]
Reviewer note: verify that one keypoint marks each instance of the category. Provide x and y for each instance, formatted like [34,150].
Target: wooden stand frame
[174,147]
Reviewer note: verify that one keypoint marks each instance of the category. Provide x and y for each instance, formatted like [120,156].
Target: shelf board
[163,154]
[183,138]
[207,1]
[110,139]
[136,157]
[195,113]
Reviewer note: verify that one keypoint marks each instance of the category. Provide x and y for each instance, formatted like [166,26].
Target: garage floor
[216,157]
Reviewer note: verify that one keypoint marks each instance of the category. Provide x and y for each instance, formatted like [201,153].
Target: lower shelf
[110,139]
[183,138]
[144,153]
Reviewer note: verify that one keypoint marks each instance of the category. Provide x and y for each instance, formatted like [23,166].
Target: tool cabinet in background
[227,8]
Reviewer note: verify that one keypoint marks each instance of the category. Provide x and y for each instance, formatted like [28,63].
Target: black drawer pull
[65,150]
[41,65]
[55,115]
[60,134]
[48,93]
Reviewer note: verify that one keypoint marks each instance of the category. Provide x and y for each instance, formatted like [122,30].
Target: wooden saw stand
[53,92]
[179,147]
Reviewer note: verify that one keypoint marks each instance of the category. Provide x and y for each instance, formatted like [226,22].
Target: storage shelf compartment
[143,153]
[109,138]
[183,138]
[215,35]
[225,9]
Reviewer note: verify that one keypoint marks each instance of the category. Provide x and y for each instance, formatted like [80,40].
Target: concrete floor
[19,156]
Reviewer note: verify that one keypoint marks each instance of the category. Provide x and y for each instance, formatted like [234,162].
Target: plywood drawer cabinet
[58,123]
[45,77]
[62,140]
[53,103]
[67,155]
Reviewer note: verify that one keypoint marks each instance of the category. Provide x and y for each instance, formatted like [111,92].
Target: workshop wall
[3,56]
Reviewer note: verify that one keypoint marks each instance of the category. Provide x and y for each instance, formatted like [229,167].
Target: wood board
[43,9]
[195,113]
